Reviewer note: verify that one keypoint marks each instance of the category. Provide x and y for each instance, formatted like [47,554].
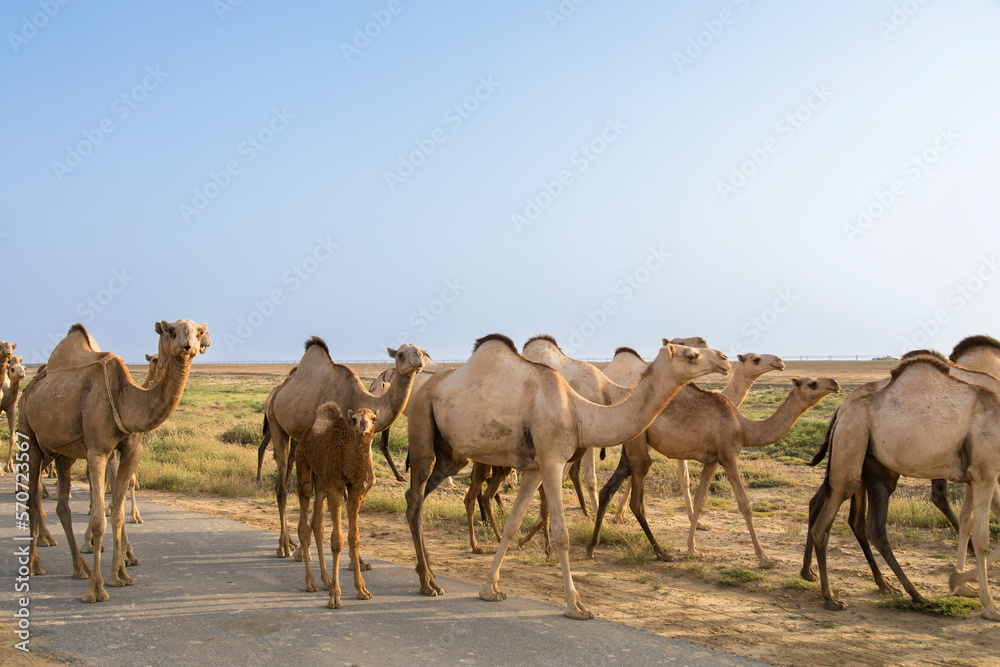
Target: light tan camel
[706,426]
[334,457]
[925,423]
[746,371]
[501,409]
[10,392]
[381,384]
[84,405]
[319,380]
[266,440]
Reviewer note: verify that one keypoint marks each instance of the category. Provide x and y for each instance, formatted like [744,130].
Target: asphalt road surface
[211,592]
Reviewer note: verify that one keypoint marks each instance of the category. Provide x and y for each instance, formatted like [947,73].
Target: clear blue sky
[789,178]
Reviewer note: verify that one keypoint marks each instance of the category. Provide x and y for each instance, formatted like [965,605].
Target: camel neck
[764,432]
[738,387]
[142,410]
[606,426]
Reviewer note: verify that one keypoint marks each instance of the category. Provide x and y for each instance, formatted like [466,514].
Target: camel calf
[335,455]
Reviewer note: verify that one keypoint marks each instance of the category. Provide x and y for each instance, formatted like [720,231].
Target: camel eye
[812,385]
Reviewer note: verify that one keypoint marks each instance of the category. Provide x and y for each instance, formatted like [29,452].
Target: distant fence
[790,357]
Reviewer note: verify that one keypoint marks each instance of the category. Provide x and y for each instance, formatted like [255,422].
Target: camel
[924,423]
[501,409]
[382,383]
[266,432]
[706,426]
[335,456]
[84,405]
[319,380]
[10,392]
[878,484]
[749,368]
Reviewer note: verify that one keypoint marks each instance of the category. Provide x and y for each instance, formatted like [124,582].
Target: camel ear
[797,382]
[392,352]
[13,345]
[163,327]
[377,413]
[149,357]
[350,413]
[741,357]
[666,341]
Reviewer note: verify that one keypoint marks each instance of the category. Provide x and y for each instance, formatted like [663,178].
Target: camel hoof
[958,579]
[100,596]
[583,614]
[990,614]
[283,552]
[664,557]
[298,555]
[400,478]
[617,519]
[703,526]
[36,568]
[431,590]
[334,604]
[9,467]
[477,550]
[45,541]
[364,567]
[834,605]
[136,519]
[131,560]
[491,594]
[364,595]
[87,549]
[807,574]
[122,580]
[888,589]
[966,591]
[590,552]
[767,563]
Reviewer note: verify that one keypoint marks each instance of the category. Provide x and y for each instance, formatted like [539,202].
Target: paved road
[210,592]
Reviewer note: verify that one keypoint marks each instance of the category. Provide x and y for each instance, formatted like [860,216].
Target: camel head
[409,358]
[181,339]
[693,362]
[205,340]
[7,349]
[363,421]
[694,341]
[154,365]
[15,371]
[431,366]
[814,389]
[758,364]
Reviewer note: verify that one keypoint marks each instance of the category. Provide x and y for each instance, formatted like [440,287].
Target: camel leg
[122,552]
[36,461]
[743,502]
[335,497]
[684,478]
[529,484]
[133,485]
[355,496]
[864,530]
[9,467]
[384,446]
[304,488]
[110,476]
[282,445]
[573,470]
[421,435]
[96,465]
[815,505]
[479,471]
[939,496]
[543,522]
[621,473]
[820,532]
[619,516]
[982,494]
[879,508]
[700,497]
[319,509]
[588,466]
[80,568]
[960,579]
[497,476]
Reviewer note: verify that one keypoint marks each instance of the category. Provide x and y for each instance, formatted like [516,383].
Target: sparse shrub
[737,576]
[951,606]
[242,433]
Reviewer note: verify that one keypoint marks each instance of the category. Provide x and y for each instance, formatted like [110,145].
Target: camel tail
[263,447]
[821,454]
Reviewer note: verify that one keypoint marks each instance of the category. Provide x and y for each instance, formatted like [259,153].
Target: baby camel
[335,455]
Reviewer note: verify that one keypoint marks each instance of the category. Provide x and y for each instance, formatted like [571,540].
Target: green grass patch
[738,576]
[798,584]
[951,606]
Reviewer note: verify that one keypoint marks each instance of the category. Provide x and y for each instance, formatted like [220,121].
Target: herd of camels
[536,411]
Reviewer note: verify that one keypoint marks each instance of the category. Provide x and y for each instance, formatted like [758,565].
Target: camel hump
[971,342]
[317,342]
[627,350]
[924,361]
[500,338]
[76,349]
[546,337]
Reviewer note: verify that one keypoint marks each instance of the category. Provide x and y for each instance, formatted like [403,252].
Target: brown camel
[501,409]
[706,426]
[746,371]
[319,380]
[381,384]
[334,457]
[925,423]
[10,392]
[84,405]
[266,432]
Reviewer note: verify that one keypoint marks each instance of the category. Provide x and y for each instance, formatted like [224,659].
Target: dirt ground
[775,620]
